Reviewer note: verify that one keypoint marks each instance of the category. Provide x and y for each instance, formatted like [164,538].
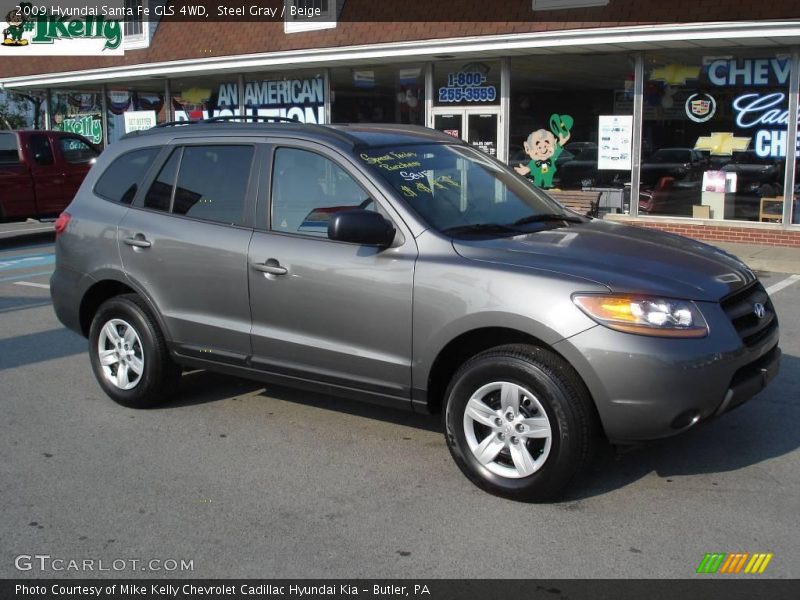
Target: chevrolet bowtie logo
[722,143]
[675,74]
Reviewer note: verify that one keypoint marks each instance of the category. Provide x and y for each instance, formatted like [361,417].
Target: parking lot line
[33,284]
[14,263]
[777,287]
[25,276]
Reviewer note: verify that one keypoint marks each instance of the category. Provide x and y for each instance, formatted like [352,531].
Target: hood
[621,257]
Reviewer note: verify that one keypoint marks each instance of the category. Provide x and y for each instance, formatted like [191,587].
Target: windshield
[457,189]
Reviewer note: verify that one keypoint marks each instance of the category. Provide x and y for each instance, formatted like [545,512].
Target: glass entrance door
[450,123]
[480,127]
[482,132]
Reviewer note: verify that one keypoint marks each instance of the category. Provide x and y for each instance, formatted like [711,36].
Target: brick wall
[179,40]
[757,233]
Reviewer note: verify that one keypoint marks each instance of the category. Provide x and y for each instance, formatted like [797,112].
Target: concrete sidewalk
[26,232]
[773,259]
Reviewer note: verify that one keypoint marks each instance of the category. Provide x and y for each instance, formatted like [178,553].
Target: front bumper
[648,388]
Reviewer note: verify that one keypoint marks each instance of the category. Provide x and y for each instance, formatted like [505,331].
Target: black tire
[159,376]
[557,390]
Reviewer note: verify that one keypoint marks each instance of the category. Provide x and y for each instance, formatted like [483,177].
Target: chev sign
[766,111]
[756,71]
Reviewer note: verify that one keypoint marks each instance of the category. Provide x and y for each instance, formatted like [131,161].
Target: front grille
[740,308]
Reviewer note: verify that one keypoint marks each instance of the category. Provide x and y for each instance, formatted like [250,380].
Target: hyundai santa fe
[400,266]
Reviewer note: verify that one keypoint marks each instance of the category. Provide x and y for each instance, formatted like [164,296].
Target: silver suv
[398,265]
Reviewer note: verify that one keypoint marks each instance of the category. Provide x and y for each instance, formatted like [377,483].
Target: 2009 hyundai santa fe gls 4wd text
[398,265]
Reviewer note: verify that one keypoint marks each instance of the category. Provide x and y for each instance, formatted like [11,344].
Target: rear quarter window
[9,150]
[122,178]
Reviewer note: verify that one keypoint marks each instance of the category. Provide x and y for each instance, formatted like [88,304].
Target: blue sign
[467,87]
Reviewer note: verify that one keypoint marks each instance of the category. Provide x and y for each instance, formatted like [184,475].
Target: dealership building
[696,119]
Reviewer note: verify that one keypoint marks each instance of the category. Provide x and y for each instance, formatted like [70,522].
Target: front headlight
[644,315]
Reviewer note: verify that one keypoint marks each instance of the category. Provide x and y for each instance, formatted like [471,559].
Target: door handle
[137,242]
[271,267]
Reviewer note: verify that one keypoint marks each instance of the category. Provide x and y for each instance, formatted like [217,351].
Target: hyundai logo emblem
[759,310]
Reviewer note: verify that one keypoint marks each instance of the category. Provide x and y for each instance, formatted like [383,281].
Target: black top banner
[399,11]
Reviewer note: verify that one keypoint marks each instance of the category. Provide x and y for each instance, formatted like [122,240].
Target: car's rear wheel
[129,355]
[519,422]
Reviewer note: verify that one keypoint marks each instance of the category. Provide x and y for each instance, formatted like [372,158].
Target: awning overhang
[778,34]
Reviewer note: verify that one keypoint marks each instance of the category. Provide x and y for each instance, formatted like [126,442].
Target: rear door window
[211,183]
[9,152]
[121,180]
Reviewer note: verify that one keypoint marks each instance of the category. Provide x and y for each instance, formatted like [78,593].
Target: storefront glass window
[378,94]
[571,125]
[134,108]
[299,96]
[78,112]
[796,198]
[200,98]
[714,134]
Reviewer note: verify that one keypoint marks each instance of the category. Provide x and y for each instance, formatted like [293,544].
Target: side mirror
[359,226]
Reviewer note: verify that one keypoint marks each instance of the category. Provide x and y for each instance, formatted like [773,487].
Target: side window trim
[171,209]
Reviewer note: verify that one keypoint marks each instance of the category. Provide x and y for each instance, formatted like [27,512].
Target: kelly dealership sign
[62,30]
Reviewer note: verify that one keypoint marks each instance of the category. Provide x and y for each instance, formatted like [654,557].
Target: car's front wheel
[519,422]
[129,355]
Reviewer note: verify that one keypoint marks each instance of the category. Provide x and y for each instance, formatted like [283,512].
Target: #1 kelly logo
[41,32]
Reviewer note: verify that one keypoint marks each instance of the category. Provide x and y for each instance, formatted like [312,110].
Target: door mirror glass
[359,226]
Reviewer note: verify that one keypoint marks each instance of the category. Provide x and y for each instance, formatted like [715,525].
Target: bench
[583,203]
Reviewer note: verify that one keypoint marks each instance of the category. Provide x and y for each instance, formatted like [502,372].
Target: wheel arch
[467,344]
[109,286]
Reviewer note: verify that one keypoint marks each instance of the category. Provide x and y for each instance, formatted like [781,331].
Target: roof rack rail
[250,118]
[175,123]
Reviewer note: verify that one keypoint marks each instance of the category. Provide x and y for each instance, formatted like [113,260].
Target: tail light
[61,222]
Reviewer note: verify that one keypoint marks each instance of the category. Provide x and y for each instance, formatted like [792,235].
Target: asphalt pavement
[248,481]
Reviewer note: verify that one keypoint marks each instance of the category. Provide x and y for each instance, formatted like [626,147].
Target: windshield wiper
[481,228]
[546,217]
